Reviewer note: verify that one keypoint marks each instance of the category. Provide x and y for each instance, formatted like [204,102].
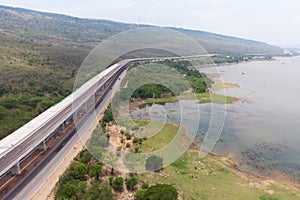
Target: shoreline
[244,173]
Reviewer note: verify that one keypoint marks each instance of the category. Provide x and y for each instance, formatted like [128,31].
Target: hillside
[40,54]
[54,28]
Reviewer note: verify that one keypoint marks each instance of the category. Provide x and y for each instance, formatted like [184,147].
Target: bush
[145,185]
[95,170]
[140,141]
[79,171]
[117,184]
[131,183]
[136,149]
[111,179]
[140,194]
[85,156]
[161,192]
[127,145]
[135,140]
[128,136]
[98,191]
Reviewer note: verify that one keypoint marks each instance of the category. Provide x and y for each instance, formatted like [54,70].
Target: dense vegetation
[82,180]
[30,82]
[157,192]
[196,80]
[87,179]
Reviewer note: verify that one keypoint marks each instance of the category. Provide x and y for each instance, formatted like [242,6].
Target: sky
[273,21]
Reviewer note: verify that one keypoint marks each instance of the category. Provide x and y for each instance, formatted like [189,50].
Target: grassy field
[210,178]
[163,137]
[210,98]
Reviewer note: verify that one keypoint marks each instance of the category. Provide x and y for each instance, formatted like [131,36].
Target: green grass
[218,85]
[211,181]
[210,98]
[160,100]
[163,137]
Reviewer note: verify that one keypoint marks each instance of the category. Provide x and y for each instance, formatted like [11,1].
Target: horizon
[286,37]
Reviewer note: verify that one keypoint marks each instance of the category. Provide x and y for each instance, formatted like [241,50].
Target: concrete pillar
[43,146]
[16,170]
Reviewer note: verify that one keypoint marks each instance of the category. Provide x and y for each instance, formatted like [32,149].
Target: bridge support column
[61,129]
[16,170]
[42,146]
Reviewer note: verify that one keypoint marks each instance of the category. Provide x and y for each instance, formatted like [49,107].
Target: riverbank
[214,177]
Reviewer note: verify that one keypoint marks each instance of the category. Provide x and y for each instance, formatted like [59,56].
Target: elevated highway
[19,145]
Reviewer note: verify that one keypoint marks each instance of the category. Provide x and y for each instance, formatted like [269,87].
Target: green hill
[49,28]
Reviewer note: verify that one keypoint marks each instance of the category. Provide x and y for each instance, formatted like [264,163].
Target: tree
[68,191]
[99,192]
[117,184]
[161,192]
[85,156]
[131,183]
[74,189]
[140,194]
[154,163]
[96,170]
[79,171]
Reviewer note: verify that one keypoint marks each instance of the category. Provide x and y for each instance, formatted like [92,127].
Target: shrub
[161,192]
[137,149]
[128,136]
[110,180]
[131,183]
[135,140]
[145,185]
[117,184]
[140,194]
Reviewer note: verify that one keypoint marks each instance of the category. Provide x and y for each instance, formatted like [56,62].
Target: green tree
[67,191]
[117,184]
[154,163]
[140,194]
[161,192]
[74,189]
[95,170]
[131,183]
[99,192]
[79,171]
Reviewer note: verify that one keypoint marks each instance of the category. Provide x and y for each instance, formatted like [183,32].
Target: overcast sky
[273,21]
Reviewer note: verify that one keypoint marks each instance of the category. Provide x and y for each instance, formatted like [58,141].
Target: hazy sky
[273,21]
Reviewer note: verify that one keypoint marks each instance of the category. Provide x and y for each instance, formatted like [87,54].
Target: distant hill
[28,25]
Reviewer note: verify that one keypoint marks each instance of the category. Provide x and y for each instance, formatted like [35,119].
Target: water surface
[262,130]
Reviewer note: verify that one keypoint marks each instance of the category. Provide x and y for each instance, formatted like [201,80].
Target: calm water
[264,126]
